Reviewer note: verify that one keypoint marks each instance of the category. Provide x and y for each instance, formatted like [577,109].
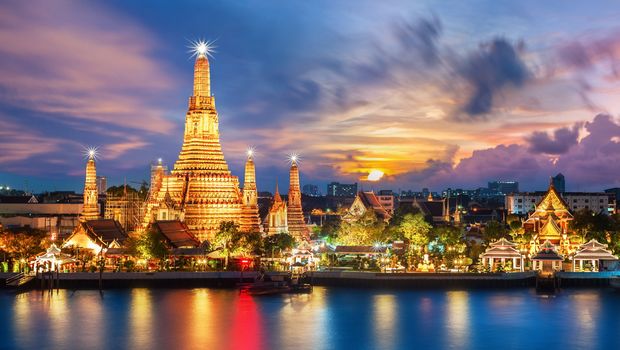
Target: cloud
[70,60]
[559,142]
[495,65]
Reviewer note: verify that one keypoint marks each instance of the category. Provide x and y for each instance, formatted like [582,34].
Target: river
[329,318]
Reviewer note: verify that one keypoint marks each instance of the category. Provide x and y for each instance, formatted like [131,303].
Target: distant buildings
[336,189]
[387,200]
[311,190]
[559,182]
[102,184]
[524,202]
[504,187]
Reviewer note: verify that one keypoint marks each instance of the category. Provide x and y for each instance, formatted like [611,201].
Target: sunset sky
[433,94]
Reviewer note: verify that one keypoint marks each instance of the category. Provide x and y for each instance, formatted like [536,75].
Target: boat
[275,285]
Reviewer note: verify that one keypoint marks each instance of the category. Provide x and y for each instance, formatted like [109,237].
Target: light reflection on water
[335,318]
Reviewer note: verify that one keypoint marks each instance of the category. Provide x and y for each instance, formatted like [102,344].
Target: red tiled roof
[176,233]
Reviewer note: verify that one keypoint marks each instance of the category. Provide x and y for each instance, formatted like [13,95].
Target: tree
[366,230]
[148,246]
[494,230]
[278,242]
[415,230]
[227,239]
[250,243]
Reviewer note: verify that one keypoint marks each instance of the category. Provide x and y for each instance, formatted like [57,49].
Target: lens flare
[201,48]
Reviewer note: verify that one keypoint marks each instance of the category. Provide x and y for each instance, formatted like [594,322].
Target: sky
[433,94]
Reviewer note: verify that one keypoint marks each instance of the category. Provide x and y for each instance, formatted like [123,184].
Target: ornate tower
[200,190]
[90,210]
[277,218]
[296,223]
[250,221]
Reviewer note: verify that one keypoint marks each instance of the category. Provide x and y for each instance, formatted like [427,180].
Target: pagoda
[550,222]
[295,217]
[90,210]
[277,217]
[200,190]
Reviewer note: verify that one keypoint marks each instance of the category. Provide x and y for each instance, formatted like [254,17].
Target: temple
[296,224]
[550,222]
[277,217]
[90,210]
[200,190]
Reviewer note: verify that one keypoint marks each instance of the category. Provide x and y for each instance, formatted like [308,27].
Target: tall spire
[296,223]
[276,196]
[202,76]
[90,210]
[251,220]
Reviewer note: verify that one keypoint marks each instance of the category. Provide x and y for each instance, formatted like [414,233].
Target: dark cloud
[497,64]
[575,55]
[559,142]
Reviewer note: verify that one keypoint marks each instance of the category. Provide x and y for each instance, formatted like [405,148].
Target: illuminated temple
[200,190]
[551,222]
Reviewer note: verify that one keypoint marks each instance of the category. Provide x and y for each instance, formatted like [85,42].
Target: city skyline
[442,96]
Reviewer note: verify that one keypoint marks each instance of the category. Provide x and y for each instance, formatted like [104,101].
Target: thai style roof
[434,208]
[106,230]
[593,250]
[551,228]
[359,249]
[551,204]
[176,233]
[53,255]
[366,201]
[502,248]
[547,252]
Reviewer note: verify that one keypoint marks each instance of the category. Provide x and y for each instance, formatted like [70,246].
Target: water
[330,318]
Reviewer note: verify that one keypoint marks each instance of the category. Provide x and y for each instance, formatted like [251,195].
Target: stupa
[296,224]
[200,190]
[90,210]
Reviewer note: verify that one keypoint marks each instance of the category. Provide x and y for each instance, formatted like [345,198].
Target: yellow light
[202,48]
[250,152]
[91,152]
[375,175]
[293,158]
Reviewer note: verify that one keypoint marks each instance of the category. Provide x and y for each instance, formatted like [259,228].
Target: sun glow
[375,175]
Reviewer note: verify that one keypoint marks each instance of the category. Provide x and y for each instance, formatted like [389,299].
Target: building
[127,209]
[559,182]
[590,255]
[525,202]
[200,188]
[295,218]
[503,253]
[504,187]
[97,235]
[365,201]
[336,189]
[277,218]
[311,190]
[90,209]
[435,211]
[102,184]
[550,222]
[387,200]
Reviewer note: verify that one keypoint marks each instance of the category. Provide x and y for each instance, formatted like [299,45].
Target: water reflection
[457,319]
[336,318]
[245,332]
[140,319]
[384,320]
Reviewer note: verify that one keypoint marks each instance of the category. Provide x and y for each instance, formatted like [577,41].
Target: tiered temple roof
[296,223]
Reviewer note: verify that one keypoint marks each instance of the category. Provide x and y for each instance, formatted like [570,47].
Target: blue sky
[434,94]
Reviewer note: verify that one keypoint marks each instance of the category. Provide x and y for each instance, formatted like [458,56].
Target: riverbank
[359,279]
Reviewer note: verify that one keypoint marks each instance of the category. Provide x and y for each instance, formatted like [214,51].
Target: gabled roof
[550,228]
[552,203]
[107,230]
[434,208]
[593,250]
[176,233]
[502,248]
[548,252]
[368,200]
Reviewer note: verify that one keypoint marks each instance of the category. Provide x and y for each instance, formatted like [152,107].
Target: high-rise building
[504,187]
[200,190]
[336,189]
[559,182]
[102,184]
[311,190]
